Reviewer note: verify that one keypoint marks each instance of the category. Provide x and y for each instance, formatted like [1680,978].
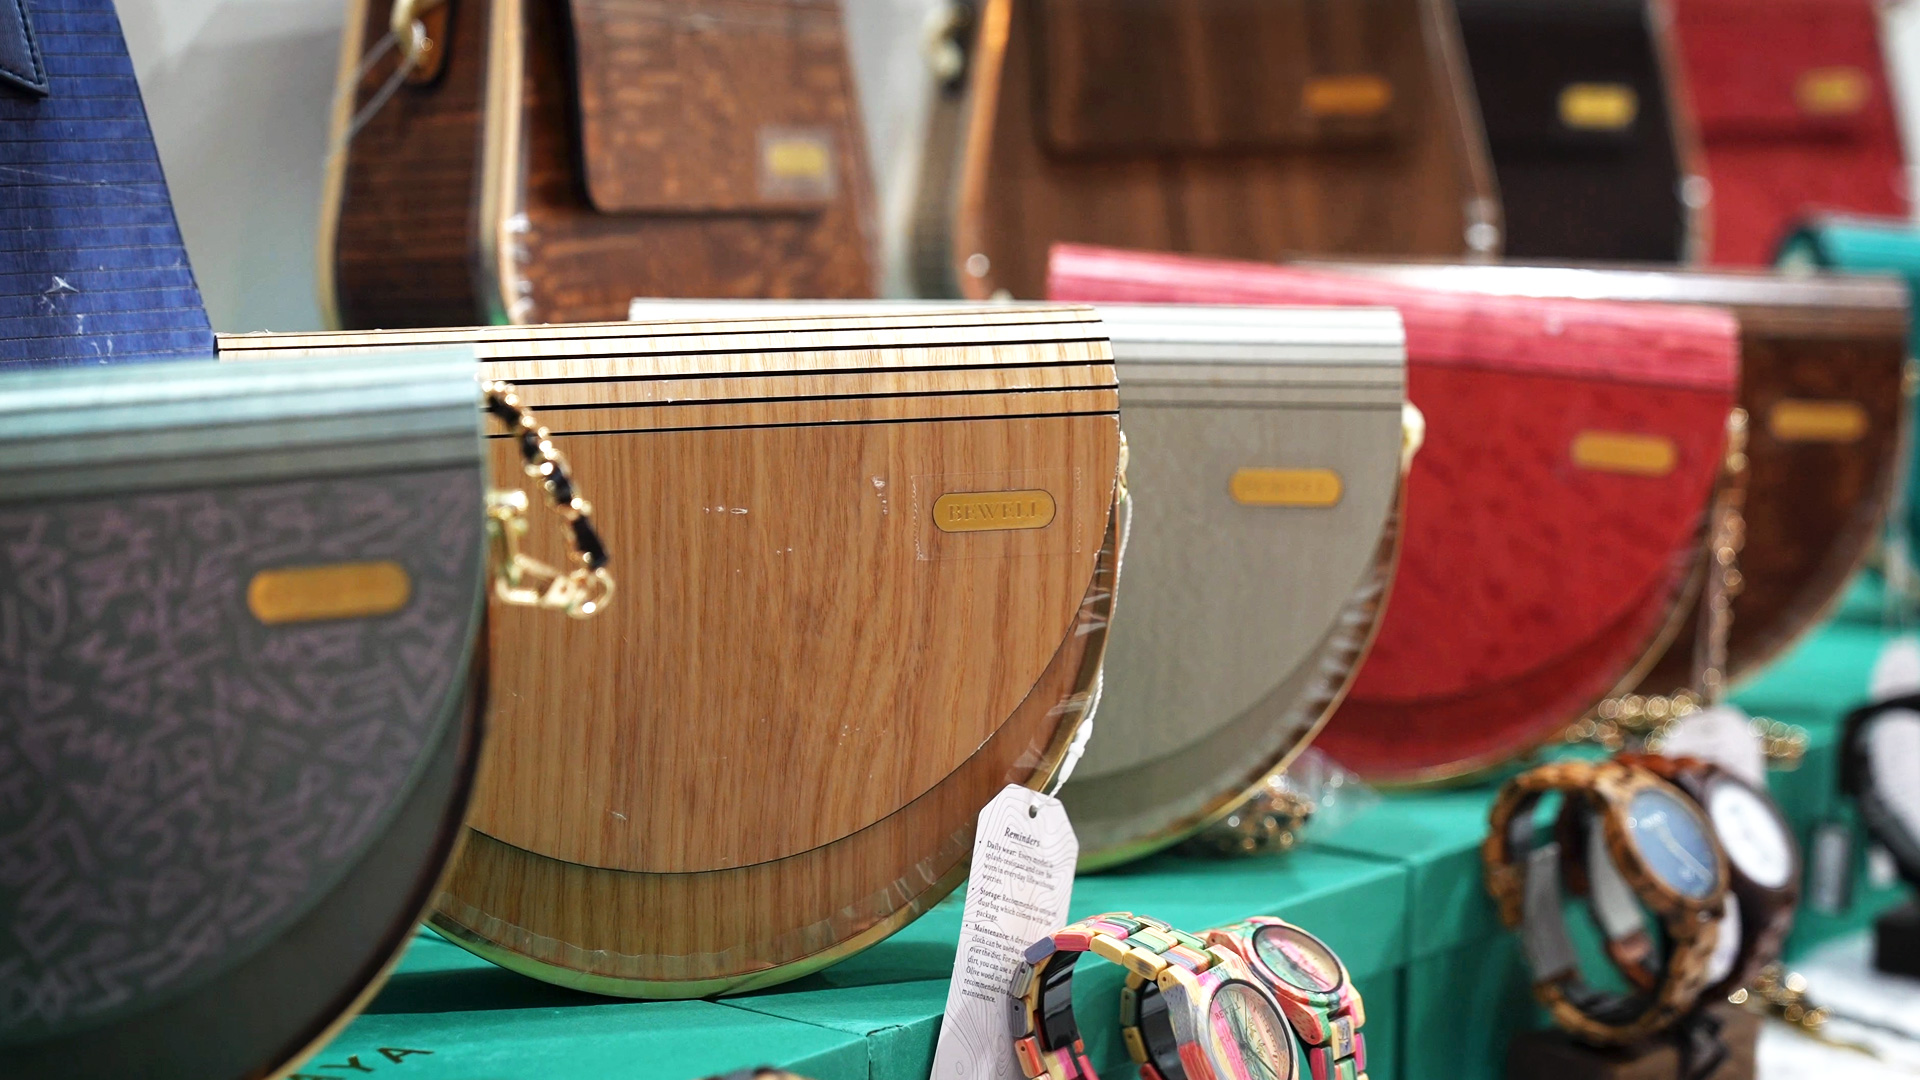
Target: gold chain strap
[520,579]
[1779,994]
[1268,823]
[1647,719]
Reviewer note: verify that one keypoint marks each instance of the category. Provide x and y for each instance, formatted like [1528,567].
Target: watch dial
[1297,958]
[1247,1038]
[1673,843]
[1751,833]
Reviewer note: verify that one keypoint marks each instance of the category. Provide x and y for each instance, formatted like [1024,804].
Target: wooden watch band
[1046,1037]
[1593,1016]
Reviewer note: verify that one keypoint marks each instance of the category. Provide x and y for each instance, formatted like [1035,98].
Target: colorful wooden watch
[1220,1023]
[1667,854]
[1313,988]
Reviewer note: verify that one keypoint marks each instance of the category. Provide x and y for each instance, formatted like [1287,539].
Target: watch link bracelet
[1666,852]
[1221,1024]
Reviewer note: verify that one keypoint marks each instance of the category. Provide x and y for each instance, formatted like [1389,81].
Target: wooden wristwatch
[1221,1024]
[1667,854]
[1313,988]
[1880,768]
[1763,874]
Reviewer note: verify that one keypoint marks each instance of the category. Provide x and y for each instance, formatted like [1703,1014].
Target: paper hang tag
[1896,673]
[1723,735]
[1019,887]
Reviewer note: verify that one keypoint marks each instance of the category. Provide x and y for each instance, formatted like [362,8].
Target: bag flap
[1579,77]
[1784,70]
[1156,76]
[712,105]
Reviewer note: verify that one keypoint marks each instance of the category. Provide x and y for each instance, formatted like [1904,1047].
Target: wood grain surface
[771,747]
[1205,127]
[570,157]
[1815,500]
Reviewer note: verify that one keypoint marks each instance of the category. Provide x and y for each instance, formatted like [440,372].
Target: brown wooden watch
[1665,849]
[1763,875]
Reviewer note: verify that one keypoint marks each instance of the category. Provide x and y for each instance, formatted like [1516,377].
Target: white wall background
[239,95]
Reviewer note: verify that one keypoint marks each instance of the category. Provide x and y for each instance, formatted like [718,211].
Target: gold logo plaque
[355,590]
[1594,106]
[992,511]
[796,163]
[1622,452]
[1810,420]
[1285,487]
[1832,91]
[1346,95]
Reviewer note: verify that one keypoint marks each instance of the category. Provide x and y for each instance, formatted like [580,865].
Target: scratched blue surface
[92,268]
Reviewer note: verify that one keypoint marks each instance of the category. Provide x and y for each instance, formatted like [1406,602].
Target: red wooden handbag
[1794,113]
[1553,515]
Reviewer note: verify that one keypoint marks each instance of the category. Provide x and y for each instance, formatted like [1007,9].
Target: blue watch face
[1673,843]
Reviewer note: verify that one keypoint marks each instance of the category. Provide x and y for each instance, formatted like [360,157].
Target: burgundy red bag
[1553,514]
[1794,113]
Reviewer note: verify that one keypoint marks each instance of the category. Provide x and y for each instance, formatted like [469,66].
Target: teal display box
[876,1016]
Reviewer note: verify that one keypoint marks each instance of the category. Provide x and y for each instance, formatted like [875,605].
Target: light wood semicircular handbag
[1270,442]
[868,566]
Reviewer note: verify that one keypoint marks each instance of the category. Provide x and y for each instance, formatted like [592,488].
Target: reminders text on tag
[1020,884]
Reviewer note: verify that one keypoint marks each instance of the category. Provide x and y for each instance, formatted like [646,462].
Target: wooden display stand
[1896,940]
[1554,1055]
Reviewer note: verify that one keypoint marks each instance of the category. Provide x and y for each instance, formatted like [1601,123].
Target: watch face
[1246,1037]
[1673,843]
[1751,834]
[1297,958]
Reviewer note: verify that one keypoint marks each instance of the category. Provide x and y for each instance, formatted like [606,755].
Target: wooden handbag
[1822,363]
[1265,450]
[1873,246]
[1248,128]
[1553,514]
[1593,155]
[92,270]
[1795,114]
[528,162]
[878,563]
[239,698]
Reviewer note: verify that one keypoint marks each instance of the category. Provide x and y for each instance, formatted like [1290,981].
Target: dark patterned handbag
[240,692]
[91,264]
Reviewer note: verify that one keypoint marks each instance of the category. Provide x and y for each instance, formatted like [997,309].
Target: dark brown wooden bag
[547,162]
[1248,128]
[1594,157]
